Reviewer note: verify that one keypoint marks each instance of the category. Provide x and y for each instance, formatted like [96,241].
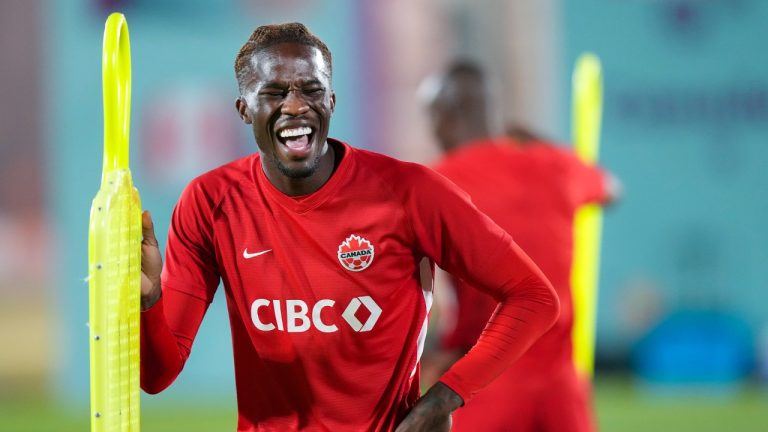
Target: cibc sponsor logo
[296,316]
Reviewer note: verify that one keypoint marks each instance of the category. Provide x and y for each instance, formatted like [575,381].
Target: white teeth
[286,133]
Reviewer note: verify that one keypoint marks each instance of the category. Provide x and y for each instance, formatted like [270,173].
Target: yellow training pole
[587,113]
[114,252]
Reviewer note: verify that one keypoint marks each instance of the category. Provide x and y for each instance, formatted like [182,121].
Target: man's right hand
[151,263]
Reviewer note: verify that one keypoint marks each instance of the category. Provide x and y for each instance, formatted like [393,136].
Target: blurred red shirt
[532,191]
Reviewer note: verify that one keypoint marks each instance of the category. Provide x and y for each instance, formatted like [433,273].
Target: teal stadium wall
[685,127]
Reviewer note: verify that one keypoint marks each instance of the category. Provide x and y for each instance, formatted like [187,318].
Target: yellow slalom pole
[587,113]
[114,252]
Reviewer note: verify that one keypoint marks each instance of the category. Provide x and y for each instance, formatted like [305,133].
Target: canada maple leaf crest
[355,253]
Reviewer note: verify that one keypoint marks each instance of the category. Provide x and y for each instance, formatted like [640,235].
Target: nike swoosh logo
[247,255]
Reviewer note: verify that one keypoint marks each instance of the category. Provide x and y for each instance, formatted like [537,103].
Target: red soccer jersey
[532,192]
[326,308]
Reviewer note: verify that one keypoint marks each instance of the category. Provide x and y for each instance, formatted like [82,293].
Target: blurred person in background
[531,188]
[318,245]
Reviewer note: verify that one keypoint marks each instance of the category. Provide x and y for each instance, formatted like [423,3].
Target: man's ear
[333,101]
[242,109]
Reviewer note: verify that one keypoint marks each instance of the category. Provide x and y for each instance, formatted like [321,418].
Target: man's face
[287,98]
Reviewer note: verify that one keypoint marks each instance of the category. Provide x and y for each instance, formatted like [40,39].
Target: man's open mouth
[297,140]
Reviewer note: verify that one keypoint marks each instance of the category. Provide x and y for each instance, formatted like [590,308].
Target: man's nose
[294,104]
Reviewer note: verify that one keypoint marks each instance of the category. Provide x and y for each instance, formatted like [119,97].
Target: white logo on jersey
[355,253]
[354,305]
[298,320]
[247,255]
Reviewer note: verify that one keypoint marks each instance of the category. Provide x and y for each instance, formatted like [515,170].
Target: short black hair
[464,82]
[273,34]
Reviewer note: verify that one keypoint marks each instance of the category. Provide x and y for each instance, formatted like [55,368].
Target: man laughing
[318,245]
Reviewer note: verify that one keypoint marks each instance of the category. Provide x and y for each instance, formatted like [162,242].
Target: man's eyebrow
[273,85]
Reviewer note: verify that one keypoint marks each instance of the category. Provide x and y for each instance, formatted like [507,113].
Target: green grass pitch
[620,408]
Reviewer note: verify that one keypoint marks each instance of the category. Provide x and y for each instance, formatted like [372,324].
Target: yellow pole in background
[587,114]
[114,252]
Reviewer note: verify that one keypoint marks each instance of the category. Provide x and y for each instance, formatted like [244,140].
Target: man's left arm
[467,243]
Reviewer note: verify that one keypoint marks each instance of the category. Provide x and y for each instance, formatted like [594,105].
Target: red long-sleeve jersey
[326,308]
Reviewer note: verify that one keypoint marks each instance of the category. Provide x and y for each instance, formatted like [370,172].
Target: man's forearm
[161,360]
[530,309]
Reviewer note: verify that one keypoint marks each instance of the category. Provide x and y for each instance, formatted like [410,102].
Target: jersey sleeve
[465,242]
[472,310]
[189,281]
[190,260]
[167,331]
[588,184]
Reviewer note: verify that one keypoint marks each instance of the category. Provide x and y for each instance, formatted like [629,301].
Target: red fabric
[333,373]
[532,192]
[560,403]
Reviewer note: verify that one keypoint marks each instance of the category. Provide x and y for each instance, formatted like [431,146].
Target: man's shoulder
[552,149]
[233,170]
[475,154]
[213,184]
[398,180]
[405,180]
[387,167]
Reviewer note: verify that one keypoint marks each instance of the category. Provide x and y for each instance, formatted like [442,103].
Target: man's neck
[306,185]
[470,135]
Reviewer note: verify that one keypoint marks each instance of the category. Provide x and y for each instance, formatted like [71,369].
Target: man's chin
[298,170]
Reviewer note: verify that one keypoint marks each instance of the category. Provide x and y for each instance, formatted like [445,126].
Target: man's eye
[313,91]
[273,93]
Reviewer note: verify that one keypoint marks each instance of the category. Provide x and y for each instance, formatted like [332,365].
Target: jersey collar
[305,203]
